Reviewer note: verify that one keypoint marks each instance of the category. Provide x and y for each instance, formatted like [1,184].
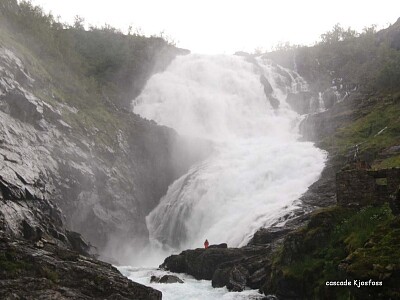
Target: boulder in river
[166,279]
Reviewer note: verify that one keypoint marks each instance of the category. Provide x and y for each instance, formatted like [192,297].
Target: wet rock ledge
[28,272]
[234,268]
[40,259]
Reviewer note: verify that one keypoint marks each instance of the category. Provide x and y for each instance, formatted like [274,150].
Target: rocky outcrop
[317,126]
[39,258]
[329,248]
[268,91]
[31,271]
[366,187]
[222,246]
[235,268]
[166,279]
[302,102]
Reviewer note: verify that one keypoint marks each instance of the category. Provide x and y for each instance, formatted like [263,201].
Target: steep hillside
[66,131]
[356,78]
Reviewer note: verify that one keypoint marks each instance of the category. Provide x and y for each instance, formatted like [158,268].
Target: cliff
[66,130]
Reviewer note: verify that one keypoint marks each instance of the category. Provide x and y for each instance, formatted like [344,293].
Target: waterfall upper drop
[258,168]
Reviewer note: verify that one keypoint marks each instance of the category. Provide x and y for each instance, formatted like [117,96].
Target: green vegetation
[97,72]
[376,129]
[367,65]
[48,273]
[368,60]
[347,243]
[363,243]
[390,162]
[11,265]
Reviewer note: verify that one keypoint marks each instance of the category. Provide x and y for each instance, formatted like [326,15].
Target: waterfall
[258,168]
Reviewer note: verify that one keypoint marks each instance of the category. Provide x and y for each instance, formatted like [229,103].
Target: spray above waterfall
[258,168]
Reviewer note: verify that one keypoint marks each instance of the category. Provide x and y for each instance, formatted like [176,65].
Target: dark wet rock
[201,263]
[78,243]
[257,279]
[394,202]
[235,278]
[322,193]
[267,86]
[317,126]
[268,90]
[274,102]
[265,236]
[222,246]
[40,259]
[31,273]
[329,97]
[166,279]
[302,102]
[289,289]
[270,297]
[234,268]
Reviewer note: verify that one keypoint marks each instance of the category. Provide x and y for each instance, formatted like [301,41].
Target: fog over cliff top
[228,26]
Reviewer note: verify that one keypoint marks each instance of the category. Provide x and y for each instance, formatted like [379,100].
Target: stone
[52,274]
[267,86]
[329,97]
[234,278]
[220,246]
[301,102]
[230,267]
[39,244]
[268,90]
[265,236]
[166,279]
[365,187]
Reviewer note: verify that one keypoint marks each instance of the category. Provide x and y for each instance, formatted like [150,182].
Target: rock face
[223,246]
[317,126]
[234,268]
[29,272]
[104,189]
[50,272]
[268,90]
[363,187]
[39,258]
[302,102]
[166,279]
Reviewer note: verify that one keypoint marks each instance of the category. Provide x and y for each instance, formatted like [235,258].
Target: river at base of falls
[191,289]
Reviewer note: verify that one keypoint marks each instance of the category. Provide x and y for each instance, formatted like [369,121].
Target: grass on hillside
[367,238]
[377,130]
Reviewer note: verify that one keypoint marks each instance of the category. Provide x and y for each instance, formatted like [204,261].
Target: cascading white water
[258,168]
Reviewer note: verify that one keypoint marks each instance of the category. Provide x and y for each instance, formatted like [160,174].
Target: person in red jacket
[206,244]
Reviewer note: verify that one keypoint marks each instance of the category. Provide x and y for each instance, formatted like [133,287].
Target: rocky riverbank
[40,259]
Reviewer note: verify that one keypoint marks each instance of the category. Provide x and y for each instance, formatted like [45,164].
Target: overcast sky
[227,26]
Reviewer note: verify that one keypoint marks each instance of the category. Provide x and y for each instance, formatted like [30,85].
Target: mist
[258,167]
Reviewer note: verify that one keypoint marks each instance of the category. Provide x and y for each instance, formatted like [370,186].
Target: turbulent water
[258,167]
[191,289]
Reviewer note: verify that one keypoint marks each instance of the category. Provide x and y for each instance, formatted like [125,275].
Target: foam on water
[258,168]
[191,289]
